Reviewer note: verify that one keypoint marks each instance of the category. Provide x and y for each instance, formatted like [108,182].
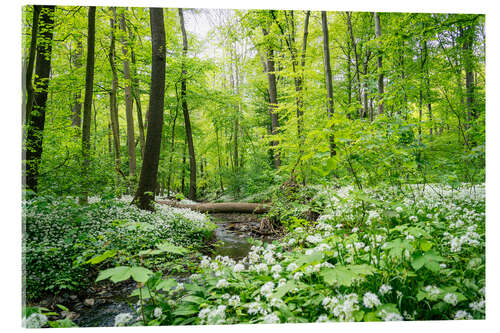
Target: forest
[214,166]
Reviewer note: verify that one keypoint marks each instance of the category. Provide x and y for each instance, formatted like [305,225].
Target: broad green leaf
[166,285]
[115,274]
[140,274]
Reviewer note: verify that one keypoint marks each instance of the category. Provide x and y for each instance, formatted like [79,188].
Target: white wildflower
[461,314]
[122,319]
[222,283]
[450,298]
[157,312]
[35,320]
[370,300]
[384,289]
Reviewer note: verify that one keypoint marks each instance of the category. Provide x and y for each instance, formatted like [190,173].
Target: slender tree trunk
[137,93]
[28,75]
[148,179]
[36,119]
[87,105]
[76,119]
[187,122]
[183,175]
[129,103]
[468,35]
[273,102]
[219,158]
[356,57]
[328,78]
[378,34]
[115,123]
[172,142]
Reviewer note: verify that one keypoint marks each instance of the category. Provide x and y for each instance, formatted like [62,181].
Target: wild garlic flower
[450,298]
[384,289]
[370,300]
[122,319]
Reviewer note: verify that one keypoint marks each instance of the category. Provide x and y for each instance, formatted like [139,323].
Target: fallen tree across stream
[221,207]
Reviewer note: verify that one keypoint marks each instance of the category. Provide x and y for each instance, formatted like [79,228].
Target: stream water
[231,237]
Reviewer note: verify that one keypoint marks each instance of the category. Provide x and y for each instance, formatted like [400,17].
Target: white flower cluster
[35,320]
[370,300]
[123,319]
[213,315]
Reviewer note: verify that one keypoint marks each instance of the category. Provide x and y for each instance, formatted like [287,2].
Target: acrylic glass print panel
[218,166]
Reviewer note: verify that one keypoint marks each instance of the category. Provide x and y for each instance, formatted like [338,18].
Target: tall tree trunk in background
[299,87]
[129,103]
[189,134]
[136,92]
[183,174]
[328,78]
[378,34]
[273,101]
[423,59]
[76,59]
[28,74]
[356,57]
[365,86]
[87,105]
[36,120]
[218,158]
[468,35]
[147,183]
[113,107]
[172,142]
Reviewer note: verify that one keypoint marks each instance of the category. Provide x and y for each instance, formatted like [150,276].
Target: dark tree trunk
[187,122]
[328,78]
[36,120]
[76,119]
[129,102]
[273,101]
[183,174]
[218,158]
[468,35]
[147,183]
[378,34]
[87,105]
[28,75]
[113,108]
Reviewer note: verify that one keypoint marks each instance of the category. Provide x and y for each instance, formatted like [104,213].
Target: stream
[231,238]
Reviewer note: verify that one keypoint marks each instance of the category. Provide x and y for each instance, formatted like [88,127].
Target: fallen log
[221,207]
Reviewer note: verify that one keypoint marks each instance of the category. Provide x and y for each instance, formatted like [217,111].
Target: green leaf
[115,274]
[281,291]
[166,285]
[193,299]
[171,248]
[429,259]
[309,259]
[425,245]
[185,310]
[345,275]
[100,258]
[140,274]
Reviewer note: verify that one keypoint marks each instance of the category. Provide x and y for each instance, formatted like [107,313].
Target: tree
[113,107]
[328,77]
[273,99]
[147,182]
[36,118]
[129,102]
[187,121]
[87,105]
[76,59]
[30,63]
[380,85]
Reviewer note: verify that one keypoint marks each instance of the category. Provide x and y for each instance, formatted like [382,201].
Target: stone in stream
[89,302]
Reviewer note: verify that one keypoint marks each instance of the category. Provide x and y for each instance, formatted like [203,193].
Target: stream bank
[99,307]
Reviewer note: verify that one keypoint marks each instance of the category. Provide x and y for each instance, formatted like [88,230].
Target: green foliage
[62,239]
